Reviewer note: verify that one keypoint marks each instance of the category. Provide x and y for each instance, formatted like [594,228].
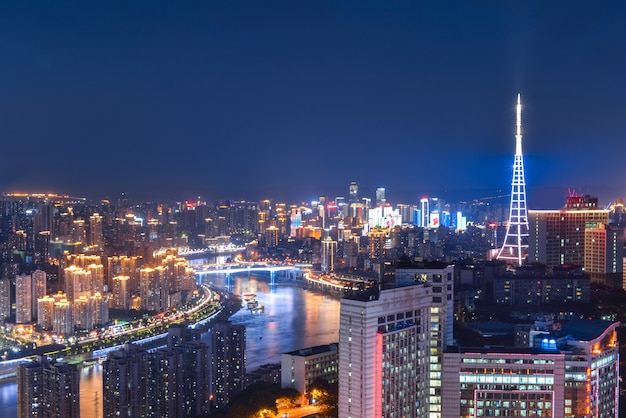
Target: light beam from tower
[515,246]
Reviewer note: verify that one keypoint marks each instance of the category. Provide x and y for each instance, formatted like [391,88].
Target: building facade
[573,373]
[383,352]
[300,368]
[557,237]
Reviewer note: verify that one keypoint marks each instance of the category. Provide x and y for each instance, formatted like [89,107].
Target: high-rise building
[62,322]
[30,389]
[96,238]
[39,288]
[45,312]
[61,391]
[380,197]
[424,212]
[78,231]
[125,383]
[172,381]
[383,352]
[83,313]
[124,266]
[515,247]
[354,192]
[572,373]
[228,357]
[5,299]
[100,305]
[23,299]
[48,390]
[120,293]
[153,288]
[440,276]
[329,253]
[604,253]
[557,237]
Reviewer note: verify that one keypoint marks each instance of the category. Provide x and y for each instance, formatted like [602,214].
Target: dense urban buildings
[48,389]
[67,282]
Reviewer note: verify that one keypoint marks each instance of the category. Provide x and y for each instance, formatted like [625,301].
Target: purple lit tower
[515,247]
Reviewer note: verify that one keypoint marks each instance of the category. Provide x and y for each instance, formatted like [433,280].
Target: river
[292,318]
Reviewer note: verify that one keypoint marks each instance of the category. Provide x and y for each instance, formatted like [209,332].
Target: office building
[380,197]
[572,373]
[535,286]
[604,254]
[384,352]
[557,237]
[301,368]
[440,277]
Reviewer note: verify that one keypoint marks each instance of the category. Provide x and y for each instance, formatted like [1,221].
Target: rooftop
[311,351]
[585,330]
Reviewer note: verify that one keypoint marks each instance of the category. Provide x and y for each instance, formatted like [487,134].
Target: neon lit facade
[515,246]
[576,376]
[383,347]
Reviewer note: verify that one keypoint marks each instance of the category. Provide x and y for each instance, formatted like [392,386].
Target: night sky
[296,99]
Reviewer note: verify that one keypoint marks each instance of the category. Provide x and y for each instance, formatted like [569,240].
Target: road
[299,412]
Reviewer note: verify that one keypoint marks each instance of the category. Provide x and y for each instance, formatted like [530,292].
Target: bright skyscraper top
[515,246]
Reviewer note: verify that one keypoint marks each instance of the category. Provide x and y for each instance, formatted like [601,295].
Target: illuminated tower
[515,246]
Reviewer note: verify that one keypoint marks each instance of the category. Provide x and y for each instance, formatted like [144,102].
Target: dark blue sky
[295,99]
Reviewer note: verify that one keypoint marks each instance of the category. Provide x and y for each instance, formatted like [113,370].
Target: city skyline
[292,101]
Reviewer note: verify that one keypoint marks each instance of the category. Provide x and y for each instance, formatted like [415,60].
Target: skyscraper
[515,247]
[228,356]
[48,390]
[172,381]
[95,231]
[23,299]
[558,236]
[380,196]
[383,353]
[424,213]
[125,382]
[5,299]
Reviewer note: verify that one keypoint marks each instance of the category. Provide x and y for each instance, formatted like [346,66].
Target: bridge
[243,267]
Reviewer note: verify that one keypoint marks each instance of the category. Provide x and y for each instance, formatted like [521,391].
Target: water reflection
[292,318]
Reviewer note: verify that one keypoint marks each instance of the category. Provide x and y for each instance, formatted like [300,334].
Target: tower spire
[518,124]
[515,246]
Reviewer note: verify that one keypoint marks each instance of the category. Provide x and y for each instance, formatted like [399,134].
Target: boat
[248,296]
[258,310]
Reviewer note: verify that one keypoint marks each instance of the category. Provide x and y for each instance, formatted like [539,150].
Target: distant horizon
[546,198]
